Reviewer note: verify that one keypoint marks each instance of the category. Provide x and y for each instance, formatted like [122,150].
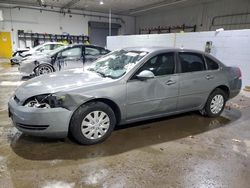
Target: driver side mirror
[145,75]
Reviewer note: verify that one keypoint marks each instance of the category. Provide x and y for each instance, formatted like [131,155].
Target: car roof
[158,48]
[73,45]
[52,43]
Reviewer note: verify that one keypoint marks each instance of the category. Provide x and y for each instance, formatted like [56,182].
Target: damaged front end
[57,100]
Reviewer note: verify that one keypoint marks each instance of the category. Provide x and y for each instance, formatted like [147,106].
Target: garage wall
[118,42]
[231,47]
[200,15]
[55,23]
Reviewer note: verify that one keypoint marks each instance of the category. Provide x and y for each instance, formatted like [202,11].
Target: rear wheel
[215,103]
[43,69]
[92,123]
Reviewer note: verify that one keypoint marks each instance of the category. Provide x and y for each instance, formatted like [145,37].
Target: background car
[124,86]
[63,58]
[19,51]
[43,48]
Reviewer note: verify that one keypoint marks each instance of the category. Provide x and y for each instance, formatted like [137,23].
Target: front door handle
[209,77]
[170,82]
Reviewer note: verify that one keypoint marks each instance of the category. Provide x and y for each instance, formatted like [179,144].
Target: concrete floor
[181,151]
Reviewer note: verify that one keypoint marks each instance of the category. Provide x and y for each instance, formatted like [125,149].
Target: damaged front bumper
[47,122]
[26,69]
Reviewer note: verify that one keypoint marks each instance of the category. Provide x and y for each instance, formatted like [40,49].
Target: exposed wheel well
[225,89]
[112,105]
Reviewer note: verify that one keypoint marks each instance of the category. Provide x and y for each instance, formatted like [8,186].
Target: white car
[43,48]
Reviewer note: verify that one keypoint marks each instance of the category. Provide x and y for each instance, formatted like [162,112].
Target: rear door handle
[209,77]
[170,82]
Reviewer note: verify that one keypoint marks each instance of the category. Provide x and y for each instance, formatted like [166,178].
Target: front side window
[117,63]
[211,64]
[191,62]
[160,65]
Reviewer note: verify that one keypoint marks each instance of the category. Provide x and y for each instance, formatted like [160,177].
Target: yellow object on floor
[247,88]
[5,45]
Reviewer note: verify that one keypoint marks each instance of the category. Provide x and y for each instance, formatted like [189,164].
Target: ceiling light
[101,2]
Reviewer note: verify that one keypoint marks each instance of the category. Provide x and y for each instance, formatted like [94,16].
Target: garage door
[98,32]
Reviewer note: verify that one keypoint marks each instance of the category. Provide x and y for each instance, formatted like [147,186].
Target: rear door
[69,58]
[154,96]
[91,54]
[195,81]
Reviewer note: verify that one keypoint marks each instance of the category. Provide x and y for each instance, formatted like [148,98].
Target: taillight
[240,74]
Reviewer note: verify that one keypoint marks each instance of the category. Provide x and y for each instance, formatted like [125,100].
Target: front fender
[72,101]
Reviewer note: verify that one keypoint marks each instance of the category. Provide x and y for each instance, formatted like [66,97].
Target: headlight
[44,101]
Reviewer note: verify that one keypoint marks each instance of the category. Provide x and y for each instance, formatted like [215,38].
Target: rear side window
[92,51]
[72,52]
[55,46]
[104,52]
[45,47]
[191,62]
[211,64]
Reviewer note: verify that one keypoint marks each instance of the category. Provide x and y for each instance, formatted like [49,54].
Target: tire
[85,129]
[43,69]
[215,103]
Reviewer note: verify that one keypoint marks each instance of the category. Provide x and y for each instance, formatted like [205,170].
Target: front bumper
[53,122]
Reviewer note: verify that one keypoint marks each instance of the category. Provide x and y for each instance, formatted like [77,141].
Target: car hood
[59,82]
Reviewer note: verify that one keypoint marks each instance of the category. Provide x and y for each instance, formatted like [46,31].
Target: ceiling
[125,7]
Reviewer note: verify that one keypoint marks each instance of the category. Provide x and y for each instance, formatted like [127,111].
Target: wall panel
[231,47]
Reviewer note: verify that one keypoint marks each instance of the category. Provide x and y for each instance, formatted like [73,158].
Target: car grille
[32,127]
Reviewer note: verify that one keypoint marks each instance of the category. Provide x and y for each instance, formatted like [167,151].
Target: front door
[157,95]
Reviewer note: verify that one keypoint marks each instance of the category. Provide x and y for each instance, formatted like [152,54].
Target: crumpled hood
[59,82]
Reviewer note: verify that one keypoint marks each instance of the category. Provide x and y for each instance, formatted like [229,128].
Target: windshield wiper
[104,75]
[100,73]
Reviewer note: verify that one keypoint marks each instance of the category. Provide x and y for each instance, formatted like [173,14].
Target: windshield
[116,64]
[37,47]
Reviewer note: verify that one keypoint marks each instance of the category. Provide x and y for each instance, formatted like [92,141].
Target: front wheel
[92,123]
[43,69]
[215,103]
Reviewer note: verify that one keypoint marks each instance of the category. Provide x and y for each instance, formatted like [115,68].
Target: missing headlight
[36,104]
[43,101]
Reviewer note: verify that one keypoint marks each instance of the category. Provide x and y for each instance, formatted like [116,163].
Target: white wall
[54,23]
[198,14]
[118,42]
[231,47]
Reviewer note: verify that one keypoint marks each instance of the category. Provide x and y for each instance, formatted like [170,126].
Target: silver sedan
[124,86]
